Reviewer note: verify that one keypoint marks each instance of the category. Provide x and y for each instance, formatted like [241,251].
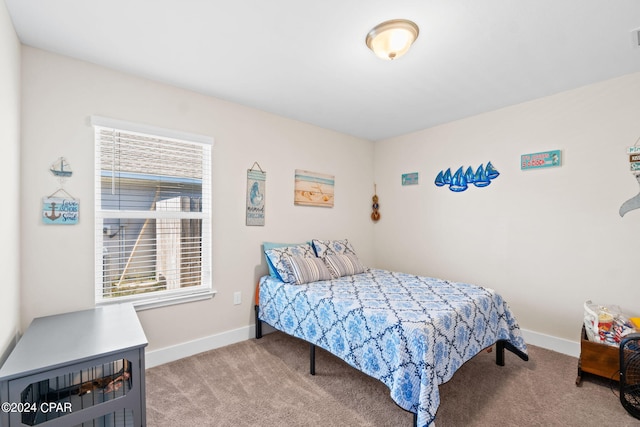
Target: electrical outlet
[237,298]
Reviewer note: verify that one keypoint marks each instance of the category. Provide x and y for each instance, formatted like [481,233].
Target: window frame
[161,297]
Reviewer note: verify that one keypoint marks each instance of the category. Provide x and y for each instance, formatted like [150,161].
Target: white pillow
[279,258]
[332,247]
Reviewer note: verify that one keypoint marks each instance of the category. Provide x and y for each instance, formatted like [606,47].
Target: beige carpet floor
[266,383]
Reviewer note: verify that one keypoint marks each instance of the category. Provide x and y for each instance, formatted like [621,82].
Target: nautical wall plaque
[410,178]
[544,159]
[634,164]
[256,181]
[60,210]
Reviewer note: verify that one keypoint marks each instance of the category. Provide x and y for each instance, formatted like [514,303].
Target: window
[152,214]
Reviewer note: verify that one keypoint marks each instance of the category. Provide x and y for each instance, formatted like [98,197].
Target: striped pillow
[306,269]
[343,265]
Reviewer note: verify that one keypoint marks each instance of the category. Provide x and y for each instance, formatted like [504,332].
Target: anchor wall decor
[60,208]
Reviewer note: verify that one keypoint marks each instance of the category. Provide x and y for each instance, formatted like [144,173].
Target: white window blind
[152,214]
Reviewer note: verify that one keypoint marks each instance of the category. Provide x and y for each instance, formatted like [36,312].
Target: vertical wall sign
[634,162]
[544,159]
[63,210]
[634,159]
[313,189]
[256,182]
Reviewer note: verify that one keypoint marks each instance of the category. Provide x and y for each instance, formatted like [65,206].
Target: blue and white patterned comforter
[410,332]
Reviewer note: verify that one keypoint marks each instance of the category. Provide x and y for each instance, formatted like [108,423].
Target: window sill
[163,301]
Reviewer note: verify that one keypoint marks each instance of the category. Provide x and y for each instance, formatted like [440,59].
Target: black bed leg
[312,359]
[501,346]
[258,323]
[415,420]
[500,353]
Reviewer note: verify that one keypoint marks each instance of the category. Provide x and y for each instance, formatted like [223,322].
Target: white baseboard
[189,348]
[560,345]
[179,351]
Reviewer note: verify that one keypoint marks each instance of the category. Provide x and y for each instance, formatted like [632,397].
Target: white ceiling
[308,60]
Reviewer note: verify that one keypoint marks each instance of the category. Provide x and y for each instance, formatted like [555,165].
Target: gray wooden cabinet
[84,368]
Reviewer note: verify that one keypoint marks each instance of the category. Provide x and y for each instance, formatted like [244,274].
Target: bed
[410,332]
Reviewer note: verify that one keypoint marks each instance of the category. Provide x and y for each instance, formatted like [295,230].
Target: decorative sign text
[545,159]
[58,210]
[256,181]
[410,178]
[633,150]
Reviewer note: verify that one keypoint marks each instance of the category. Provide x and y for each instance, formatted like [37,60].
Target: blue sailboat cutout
[458,182]
[461,179]
[491,171]
[481,178]
[447,176]
[469,175]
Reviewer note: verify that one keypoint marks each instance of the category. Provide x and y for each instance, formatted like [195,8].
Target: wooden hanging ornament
[375,215]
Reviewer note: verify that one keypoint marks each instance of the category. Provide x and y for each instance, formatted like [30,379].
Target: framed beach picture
[313,189]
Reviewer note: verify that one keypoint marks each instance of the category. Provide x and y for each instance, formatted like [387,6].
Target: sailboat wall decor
[60,208]
[461,179]
[61,168]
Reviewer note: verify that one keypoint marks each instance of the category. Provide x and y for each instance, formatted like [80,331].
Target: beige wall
[60,94]
[547,240]
[9,177]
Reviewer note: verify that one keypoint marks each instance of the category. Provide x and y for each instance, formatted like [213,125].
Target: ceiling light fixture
[392,39]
